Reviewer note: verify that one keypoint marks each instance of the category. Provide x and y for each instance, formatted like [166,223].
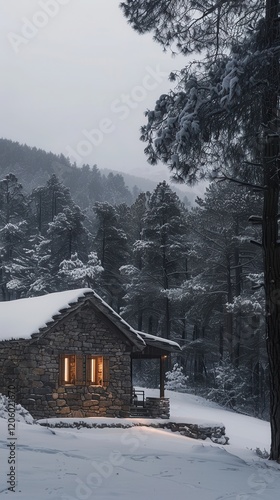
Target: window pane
[69,369]
[93,370]
[99,370]
[66,369]
[72,369]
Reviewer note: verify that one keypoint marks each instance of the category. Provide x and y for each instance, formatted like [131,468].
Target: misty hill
[88,184]
[33,167]
[135,183]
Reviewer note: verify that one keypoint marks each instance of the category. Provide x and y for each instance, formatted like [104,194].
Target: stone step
[136,411]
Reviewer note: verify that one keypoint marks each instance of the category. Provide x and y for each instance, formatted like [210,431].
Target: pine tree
[41,280]
[224,312]
[175,379]
[135,303]
[13,204]
[65,236]
[112,250]
[223,226]
[159,262]
[115,190]
[48,201]
[13,232]
[76,274]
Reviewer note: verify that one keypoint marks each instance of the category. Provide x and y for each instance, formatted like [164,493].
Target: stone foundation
[158,407]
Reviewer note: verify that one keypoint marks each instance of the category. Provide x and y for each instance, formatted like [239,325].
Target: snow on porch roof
[160,342]
[25,318]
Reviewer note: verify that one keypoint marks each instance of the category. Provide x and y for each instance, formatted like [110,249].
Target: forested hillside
[185,274]
[33,168]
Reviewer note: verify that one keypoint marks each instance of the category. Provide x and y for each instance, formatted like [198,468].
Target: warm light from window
[100,371]
[93,370]
[66,369]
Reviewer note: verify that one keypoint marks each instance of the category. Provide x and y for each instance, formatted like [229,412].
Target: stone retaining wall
[158,407]
[216,433]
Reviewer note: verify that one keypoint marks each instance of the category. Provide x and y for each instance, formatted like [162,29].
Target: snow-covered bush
[230,385]
[236,388]
[21,414]
[176,380]
[262,453]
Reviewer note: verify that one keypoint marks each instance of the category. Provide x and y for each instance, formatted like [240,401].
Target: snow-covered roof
[23,317]
[32,317]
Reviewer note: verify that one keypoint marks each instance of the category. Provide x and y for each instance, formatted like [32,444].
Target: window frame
[83,370]
[98,369]
[67,380]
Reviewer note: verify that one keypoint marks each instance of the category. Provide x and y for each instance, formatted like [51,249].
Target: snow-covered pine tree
[224,314]
[115,190]
[176,380]
[225,234]
[112,250]
[66,235]
[48,201]
[135,302]
[160,260]
[77,274]
[40,280]
[86,185]
[14,217]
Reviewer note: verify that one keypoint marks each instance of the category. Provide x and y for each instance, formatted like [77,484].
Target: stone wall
[158,407]
[216,433]
[32,366]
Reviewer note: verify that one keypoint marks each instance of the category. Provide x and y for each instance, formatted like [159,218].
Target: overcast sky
[77,79]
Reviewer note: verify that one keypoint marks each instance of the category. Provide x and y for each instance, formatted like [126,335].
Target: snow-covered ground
[142,463]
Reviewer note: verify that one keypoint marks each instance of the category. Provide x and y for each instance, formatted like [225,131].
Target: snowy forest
[222,122]
[155,369]
[187,274]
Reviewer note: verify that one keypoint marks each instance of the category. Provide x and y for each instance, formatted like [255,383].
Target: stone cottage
[68,354]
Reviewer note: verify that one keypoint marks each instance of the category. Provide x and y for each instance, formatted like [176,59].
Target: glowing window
[68,369]
[78,369]
[95,370]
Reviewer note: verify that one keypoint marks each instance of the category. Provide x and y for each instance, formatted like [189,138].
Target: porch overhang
[157,348]
[159,344]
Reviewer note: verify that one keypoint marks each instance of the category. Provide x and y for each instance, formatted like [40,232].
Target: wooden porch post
[162,374]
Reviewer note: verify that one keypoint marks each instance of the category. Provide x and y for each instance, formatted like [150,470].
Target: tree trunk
[238,289]
[140,315]
[70,243]
[221,341]
[198,366]
[53,205]
[272,288]
[228,314]
[271,248]
[167,319]
[150,325]
[272,291]
[40,213]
